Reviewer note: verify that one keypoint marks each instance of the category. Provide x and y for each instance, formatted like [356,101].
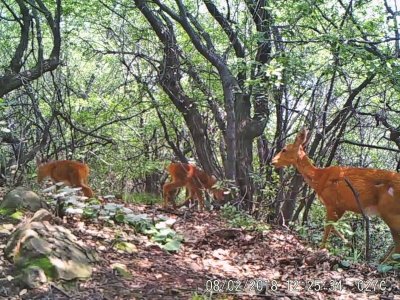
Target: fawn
[194,179]
[70,172]
[378,190]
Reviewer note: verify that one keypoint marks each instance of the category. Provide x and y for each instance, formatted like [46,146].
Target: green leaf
[172,246]
[167,231]
[113,206]
[159,238]
[134,218]
[126,246]
[120,218]
[17,215]
[345,264]
[179,237]
[161,225]
[396,256]
[384,268]
[150,231]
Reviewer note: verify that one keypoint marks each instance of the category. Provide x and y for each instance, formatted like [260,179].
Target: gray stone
[51,248]
[22,197]
[33,277]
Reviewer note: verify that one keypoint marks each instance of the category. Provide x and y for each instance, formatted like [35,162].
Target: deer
[378,190]
[194,179]
[70,172]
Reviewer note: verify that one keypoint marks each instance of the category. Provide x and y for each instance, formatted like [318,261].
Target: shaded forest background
[129,86]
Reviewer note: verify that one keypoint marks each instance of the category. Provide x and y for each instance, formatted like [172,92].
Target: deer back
[370,185]
[63,171]
[190,175]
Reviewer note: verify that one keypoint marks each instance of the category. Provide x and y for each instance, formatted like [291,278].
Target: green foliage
[392,265]
[162,234]
[300,229]
[108,88]
[345,264]
[270,189]
[313,232]
[141,198]
[18,215]
[342,226]
[90,212]
[5,212]
[45,264]
[125,246]
[241,219]
[158,229]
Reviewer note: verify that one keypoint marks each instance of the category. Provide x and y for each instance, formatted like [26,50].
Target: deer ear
[302,137]
[308,137]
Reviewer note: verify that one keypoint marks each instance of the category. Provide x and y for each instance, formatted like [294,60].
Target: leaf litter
[214,260]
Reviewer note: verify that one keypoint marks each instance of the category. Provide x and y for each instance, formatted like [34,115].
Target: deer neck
[307,170]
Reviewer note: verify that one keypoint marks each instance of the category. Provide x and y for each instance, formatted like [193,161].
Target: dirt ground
[214,261]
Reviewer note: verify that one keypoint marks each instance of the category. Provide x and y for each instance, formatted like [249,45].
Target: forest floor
[239,264]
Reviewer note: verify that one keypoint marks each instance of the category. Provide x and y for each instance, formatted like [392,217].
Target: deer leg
[396,239]
[168,191]
[331,216]
[389,210]
[87,191]
[326,234]
[199,195]
[166,194]
[396,248]
[171,197]
[393,221]
[191,194]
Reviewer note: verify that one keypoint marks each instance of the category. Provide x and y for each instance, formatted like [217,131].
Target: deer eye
[283,150]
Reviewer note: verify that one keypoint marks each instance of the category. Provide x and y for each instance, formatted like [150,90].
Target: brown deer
[70,172]
[378,190]
[194,179]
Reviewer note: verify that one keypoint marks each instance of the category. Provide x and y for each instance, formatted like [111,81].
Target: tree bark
[169,78]
[13,77]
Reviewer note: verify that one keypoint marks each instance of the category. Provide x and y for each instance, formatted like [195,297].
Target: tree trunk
[289,204]
[169,78]
[14,78]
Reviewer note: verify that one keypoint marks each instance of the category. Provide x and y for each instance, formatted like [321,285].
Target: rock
[58,221]
[8,226]
[33,277]
[317,257]
[227,233]
[22,197]
[4,232]
[51,248]
[41,215]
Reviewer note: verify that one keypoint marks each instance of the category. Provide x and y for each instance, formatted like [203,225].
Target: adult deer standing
[194,179]
[378,190]
[70,172]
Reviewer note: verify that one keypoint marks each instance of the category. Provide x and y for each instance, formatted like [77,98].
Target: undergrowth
[240,219]
[157,229]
